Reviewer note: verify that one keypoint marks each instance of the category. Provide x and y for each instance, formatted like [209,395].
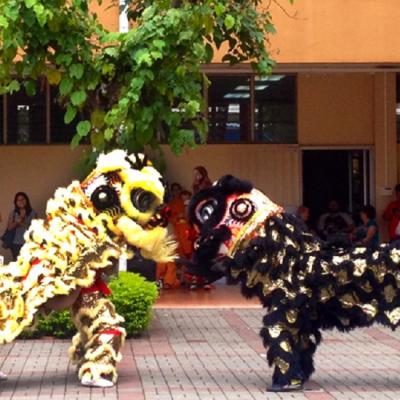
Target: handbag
[8,238]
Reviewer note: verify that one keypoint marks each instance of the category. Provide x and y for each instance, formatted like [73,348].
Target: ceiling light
[237,96]
[260,87]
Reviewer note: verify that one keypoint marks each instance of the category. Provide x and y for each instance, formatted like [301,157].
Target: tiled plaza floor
[207,354]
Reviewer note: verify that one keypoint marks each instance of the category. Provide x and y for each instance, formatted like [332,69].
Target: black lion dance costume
[66,255]
[304,286]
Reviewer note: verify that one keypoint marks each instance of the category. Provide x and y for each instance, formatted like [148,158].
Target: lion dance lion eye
[104,197]
[242,209]
[142,200]
[205,210]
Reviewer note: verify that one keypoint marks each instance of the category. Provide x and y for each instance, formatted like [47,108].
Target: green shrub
[132,296]
[58,324]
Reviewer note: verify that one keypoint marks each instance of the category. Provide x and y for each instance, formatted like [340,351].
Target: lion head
[127,193]
[226,215]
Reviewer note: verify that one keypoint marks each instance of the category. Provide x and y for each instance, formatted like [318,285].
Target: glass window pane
[60,132]
[275,109]
[229,113]
[26,116]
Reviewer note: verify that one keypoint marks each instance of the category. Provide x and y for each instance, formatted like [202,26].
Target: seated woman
[368,233]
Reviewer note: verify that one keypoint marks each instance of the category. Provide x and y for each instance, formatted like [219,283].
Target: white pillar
[123,18]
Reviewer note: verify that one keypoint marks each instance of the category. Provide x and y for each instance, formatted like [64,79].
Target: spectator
[303,213]
[167,272]
[334,226]
[392,215]
[166,275]
[20,219]
[200,179]
[175,204]
[368,233]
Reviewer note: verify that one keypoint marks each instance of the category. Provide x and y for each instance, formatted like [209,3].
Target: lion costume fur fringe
[304,286]
[86,228]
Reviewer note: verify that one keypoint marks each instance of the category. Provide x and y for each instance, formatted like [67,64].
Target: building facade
[323,126]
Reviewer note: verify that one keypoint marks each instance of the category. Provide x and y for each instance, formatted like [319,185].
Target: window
[229,110]
[26,116]
[28,121]
[275,109]
[252,109]
[60,132]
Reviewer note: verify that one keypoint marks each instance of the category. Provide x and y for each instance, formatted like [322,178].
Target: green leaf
[219,9]
[3,22]
[53,76]
[209,53]
[142,56]
[270,28]
[30,3]
[229,22]
[111,51]
[70,114]
[64,59]
[14,86]
[107,69]
[83,128]
[41,14]
[97,118]
[78,97]
[159,44]
[97,139]
[108,134]
[137,83]
[76,71]
[66,85]
[110,37]
[30,87]
[75,141]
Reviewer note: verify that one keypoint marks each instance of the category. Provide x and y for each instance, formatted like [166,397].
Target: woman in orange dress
[166,272]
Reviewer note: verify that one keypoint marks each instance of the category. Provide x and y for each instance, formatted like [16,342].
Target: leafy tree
[134,84]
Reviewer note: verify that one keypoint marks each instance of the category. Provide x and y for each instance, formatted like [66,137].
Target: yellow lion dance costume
[85,231]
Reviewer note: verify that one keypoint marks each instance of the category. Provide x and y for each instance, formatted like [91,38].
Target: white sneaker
[100,382]
[3,376]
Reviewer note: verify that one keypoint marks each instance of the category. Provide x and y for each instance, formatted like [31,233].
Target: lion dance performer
[65,256]
[304,286]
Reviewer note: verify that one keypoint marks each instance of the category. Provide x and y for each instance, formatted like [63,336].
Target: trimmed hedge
[133,297]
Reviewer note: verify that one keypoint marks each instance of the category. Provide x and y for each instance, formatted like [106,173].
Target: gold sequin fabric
[96,347]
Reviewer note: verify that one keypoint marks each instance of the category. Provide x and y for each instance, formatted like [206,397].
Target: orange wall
[335,109]
[108,13]
[273,169]
[36,170]
[335,31]
[319,31]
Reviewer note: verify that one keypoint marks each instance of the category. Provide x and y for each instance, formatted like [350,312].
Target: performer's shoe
[3,376]
[293,386]
[101,382]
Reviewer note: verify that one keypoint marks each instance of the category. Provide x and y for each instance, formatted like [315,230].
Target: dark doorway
[341,175]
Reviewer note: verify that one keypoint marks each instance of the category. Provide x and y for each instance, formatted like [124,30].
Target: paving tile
[208,354]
